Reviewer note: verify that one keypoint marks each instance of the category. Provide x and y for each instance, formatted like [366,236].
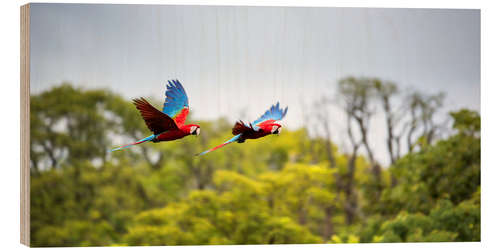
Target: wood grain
[25,124]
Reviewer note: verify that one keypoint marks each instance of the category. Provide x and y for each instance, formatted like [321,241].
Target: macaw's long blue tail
[149,138]
[222,145]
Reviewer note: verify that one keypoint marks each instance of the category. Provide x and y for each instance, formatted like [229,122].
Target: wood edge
[25,123]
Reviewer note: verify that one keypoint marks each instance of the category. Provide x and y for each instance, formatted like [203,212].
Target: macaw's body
[261,130]
[166,125]
[173,134]
[261,127]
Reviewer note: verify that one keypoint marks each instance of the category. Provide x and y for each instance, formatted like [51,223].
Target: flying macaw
[261,127]
[169,124]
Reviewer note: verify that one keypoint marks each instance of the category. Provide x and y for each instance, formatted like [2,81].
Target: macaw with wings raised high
[166,125]
[261,127]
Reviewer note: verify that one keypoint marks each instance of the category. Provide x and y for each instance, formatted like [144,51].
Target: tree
[423,109]
[67,125]
[449,169]
[357,102]
[386,92]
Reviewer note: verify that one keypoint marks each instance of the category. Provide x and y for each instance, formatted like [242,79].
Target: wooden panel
[25,124]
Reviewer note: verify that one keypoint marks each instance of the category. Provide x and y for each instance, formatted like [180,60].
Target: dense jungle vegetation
[298,187]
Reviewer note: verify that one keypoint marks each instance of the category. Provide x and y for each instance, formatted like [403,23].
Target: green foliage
[450,169]
[466,121]
[234,213]
[445,222]
[276,190]
[464,219]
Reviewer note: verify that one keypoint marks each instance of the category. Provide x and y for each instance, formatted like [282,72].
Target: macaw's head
[192,129]
[272,128]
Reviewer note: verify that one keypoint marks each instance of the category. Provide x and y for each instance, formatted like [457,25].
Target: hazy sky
[235,58]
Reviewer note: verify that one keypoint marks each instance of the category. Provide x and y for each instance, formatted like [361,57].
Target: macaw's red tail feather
[149,138]
[220,146]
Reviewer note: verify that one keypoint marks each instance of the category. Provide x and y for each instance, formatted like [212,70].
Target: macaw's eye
[274,129]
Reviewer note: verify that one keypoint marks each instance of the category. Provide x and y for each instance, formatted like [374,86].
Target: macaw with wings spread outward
[261,127]
[169,124]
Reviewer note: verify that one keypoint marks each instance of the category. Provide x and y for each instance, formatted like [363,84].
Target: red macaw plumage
[166,125]
[261,127]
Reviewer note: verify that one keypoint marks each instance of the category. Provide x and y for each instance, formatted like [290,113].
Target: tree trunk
[413,126]
[351,204]
[390,128]
[374,165]
[328,225]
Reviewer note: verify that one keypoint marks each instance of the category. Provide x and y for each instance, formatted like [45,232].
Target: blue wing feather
[175,98]
[274,113]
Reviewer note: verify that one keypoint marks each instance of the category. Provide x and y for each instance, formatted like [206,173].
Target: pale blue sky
[235,58]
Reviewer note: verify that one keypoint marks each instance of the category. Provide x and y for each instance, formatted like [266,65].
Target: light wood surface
[25,124]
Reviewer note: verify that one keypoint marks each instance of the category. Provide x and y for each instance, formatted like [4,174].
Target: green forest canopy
[295,188]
